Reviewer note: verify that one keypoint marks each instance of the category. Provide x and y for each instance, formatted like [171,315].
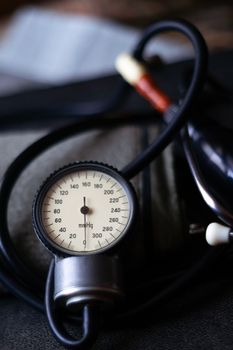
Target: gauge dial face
[84,209]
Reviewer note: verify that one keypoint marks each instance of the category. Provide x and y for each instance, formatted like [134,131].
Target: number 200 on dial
[83,208]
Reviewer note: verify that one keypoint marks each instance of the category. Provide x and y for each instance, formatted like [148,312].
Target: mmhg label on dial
[85,211]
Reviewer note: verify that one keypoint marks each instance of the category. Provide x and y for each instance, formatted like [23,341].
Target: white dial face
[86,211]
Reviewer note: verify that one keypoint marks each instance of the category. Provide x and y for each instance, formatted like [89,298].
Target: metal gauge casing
[83,208]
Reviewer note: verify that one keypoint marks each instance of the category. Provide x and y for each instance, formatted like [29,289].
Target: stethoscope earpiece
[217,234]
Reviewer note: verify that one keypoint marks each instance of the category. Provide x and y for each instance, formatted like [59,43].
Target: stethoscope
[85,213]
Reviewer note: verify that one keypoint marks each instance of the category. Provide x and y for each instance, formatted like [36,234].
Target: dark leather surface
[206,327]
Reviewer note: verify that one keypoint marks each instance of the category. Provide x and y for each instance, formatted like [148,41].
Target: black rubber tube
[193,91]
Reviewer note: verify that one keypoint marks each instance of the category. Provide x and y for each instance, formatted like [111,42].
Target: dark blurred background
[213,17]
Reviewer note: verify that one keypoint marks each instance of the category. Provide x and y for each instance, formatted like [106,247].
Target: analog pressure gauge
[83,208]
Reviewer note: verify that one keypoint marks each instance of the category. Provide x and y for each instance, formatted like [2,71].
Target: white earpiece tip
[217,234]
[130,69]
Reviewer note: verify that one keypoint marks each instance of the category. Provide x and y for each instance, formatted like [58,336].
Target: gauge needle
[84,210]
